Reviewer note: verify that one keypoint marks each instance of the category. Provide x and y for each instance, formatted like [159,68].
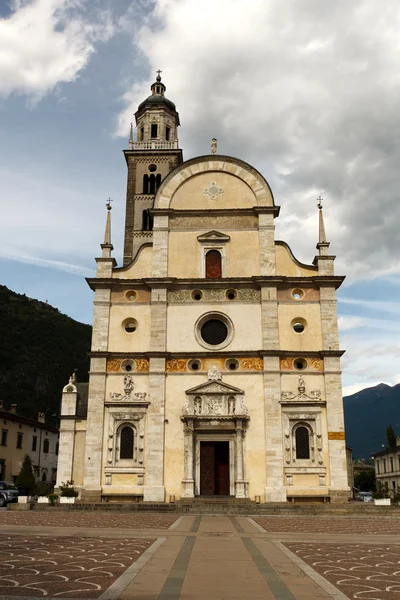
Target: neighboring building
[20,436]
[215,361]
[387,467]
[359,466]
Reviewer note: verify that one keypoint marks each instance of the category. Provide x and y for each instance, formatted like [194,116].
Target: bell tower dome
[150,158]
[157,120]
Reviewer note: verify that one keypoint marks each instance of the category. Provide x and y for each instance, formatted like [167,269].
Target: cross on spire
[108,203]
[319,202]
[159,75]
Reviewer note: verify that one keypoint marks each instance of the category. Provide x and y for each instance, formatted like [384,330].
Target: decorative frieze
[176,365]
[251,364]
[139,365]
[237,222]
[214,295]
[288,364]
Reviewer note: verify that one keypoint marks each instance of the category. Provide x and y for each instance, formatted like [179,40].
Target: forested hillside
[39,349]
[367,415]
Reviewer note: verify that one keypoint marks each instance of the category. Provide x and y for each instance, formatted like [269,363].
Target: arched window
[126,443]
[213,264]
[158,181]
[46,446]
[152,180]
[302,443]
[145,184]
[44,477]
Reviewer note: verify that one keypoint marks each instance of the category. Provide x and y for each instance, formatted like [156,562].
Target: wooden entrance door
[214,469]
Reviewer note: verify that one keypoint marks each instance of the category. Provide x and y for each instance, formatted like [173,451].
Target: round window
[197,295]
[298,325]
[214,330]
[131,296]
[300,364]
[297,294]
[130,325]
[231,294]
[128,365]
[195,364]
[232,364]
[152,168]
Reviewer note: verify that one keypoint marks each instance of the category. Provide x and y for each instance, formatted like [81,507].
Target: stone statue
[214,146]
[197,406]
[128,385]
[231,406]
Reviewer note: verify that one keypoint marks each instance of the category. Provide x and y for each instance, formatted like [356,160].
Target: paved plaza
[109,555]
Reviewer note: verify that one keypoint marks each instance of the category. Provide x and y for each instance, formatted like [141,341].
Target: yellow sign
[336,435]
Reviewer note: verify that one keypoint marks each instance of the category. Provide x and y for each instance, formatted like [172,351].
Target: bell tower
[151,156]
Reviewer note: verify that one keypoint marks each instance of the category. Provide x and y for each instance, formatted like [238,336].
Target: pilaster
[154,490]
[339,489]
[269,318]
[266,230]
[275,490]
[329,326]
[160,246]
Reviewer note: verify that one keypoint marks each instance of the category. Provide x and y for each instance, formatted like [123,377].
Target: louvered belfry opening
[213,264]
[302,443]
[126,443]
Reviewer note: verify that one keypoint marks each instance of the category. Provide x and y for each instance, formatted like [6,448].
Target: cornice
[198,212]
[221,353]
[314,281]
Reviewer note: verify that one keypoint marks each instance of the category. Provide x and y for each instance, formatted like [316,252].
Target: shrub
[26,480]
[67,489]
[53,499]
[382,491]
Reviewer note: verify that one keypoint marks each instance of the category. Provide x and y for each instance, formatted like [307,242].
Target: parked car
[8,493]
[364,497]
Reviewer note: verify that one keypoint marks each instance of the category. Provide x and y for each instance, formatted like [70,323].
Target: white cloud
[45,42]
[52,264]
[309,93]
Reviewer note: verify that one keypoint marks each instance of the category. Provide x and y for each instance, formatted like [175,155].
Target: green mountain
[39,349]
[367,415]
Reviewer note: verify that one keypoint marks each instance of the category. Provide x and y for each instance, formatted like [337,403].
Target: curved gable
[210,183]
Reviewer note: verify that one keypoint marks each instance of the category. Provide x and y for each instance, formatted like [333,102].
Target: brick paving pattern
[64,567]
[329,525]
[361,571]
[87,519]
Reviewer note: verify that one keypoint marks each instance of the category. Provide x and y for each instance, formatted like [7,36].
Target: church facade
[215,360]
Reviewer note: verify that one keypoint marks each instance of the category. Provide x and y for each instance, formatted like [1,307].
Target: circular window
[152,168]
[197,295]
[231,294]
[195,364]
[297,294]
[130,325]
[232,364]
[298,325]
[128,365]
[214,331]
[131,296]
[300,364]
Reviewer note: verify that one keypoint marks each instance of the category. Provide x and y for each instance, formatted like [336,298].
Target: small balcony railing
[154,145]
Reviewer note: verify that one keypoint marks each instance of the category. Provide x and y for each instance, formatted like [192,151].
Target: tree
[391,437]
[365,481]
[26,479]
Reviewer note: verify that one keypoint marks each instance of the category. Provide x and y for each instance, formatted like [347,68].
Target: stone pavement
[163,557]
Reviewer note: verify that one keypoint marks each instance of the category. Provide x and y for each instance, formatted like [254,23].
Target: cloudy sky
[306,91]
